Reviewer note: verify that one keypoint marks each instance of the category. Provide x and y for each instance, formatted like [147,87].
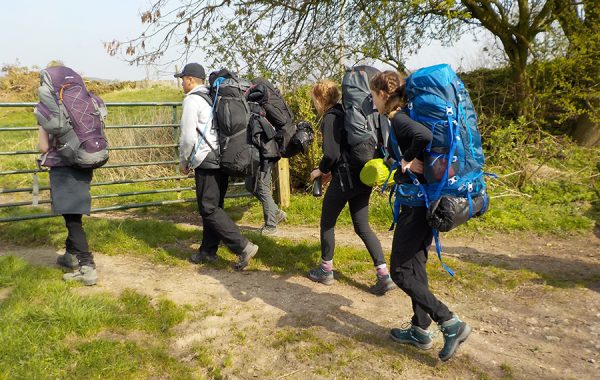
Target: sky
[35,32]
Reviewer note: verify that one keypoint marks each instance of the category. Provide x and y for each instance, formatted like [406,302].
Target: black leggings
[412,239]
[76,242]
[358,200]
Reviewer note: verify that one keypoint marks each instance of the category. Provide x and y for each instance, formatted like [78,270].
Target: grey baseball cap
[192,70]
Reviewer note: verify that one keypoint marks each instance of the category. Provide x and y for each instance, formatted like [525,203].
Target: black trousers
[408,261]
[211,187]
[334,202]
[76,242]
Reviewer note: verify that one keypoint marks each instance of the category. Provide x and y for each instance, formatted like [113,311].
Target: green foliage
[300,102]
[567,87]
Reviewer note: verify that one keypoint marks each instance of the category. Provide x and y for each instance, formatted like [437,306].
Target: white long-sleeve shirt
[196,114]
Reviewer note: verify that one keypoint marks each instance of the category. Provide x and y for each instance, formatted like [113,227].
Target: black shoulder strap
[203,96]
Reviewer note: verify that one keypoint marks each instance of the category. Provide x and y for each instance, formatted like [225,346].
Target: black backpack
[238,157]
[273,107]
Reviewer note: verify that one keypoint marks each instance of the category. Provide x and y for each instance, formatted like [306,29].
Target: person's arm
[331,142]
[419,136]
[43,140]
[188,134]
[409,129]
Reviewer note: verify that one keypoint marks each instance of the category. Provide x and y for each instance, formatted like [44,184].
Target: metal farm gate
[12,204]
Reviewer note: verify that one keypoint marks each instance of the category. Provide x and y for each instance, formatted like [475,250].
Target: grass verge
[49,331]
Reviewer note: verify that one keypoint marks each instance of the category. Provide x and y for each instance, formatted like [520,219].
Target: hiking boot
[68,260]
[268,231]
[382,286]
[247,254]
[280,217]
[455,332]
[86,274]
[319,275]
[413,335]
[203,257]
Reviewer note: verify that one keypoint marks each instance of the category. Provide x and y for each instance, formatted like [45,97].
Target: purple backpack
[73,117]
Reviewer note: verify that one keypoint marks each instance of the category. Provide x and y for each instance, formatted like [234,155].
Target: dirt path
[533,331]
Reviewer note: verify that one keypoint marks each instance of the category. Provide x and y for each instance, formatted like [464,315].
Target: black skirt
[70,190]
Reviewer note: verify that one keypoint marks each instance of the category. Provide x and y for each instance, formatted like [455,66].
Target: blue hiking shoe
[413,335]
[455,332]
[319,275]
[68,260]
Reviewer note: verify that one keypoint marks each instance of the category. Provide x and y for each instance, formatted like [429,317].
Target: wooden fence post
[282,182]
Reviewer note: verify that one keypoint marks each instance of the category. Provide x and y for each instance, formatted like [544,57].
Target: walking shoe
[455,332]
[268,230]
[413,335]
[280,217]
[86,274]
[247,254]
[382,286]
[68,260]
[203,257]
[319,275]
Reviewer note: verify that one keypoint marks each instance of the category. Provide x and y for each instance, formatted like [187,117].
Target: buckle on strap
[452,181]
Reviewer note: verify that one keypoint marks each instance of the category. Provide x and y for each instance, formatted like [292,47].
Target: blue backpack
[453,168]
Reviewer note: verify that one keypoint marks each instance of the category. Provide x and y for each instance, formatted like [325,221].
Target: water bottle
[316,190]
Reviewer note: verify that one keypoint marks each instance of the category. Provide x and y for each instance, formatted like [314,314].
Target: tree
[299,38]
[516,24]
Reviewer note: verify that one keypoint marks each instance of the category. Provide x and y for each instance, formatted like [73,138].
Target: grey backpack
[73,117]
[360,120]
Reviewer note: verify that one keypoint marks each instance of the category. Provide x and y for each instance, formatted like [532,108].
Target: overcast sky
[34,32]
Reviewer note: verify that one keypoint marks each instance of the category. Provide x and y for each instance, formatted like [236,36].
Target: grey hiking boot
[268,230]
[68,260]
[455,332]
[280,217]
[86,274]
[202,257]
[319,275]
[382,286]
[247,254]
[413,335]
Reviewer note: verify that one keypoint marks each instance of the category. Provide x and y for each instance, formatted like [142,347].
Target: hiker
[413,236]
[272,129]
[73,144]
[345,188]
[199,151]
[70,193]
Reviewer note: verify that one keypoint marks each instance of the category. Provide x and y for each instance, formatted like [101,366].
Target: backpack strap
[204,96]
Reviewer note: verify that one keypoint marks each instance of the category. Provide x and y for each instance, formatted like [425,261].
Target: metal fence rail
[35,188]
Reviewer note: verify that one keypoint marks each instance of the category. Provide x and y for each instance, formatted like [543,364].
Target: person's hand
[184,169]
[315,174]
[415,166]
[325,177]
